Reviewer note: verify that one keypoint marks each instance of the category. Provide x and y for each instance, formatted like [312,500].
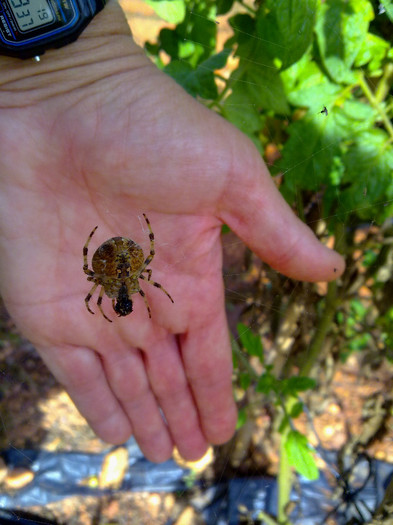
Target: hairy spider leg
[99,301]
[157,285]
[152,253]
[142,293]
[88,297]
[149,271]
[85,250]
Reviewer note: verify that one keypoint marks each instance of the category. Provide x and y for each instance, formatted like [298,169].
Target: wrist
[105,48]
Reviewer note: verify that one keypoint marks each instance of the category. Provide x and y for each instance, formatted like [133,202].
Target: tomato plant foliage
[289,59]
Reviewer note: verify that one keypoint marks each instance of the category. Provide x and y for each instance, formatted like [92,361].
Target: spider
[117,265]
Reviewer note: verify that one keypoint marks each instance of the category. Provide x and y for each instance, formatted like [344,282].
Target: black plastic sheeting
[59,475]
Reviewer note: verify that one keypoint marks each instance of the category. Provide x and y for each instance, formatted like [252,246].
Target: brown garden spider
[117,265]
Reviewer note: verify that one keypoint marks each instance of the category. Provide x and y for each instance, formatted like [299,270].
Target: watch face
[30,14]
[25,22]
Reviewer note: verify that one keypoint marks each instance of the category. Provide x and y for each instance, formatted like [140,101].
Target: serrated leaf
[372,52]
[300,455]
[256,74]
[341,28]
[368,175]
[251,342]
[199,81]
[309,87]
[172,11]
[286,28]
[308,155]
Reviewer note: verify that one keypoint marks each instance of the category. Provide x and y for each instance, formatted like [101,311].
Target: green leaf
[257,78]
[251,342]
[341,29]
[388,6]
[300,455]
[243,26]
[286,28]
[244,380]
[169,41]
[267,383]
[293,385]
[241,418]
[172,11]
[296,409]
[368,175]
[223,6]
[240,109]
[199,81]
[309,87]
[372,52]
[308,154]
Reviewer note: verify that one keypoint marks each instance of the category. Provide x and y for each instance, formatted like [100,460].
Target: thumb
[255,210]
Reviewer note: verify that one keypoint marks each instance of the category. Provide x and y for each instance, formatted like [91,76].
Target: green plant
[310,82]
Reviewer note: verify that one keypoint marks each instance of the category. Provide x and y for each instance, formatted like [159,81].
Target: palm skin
[98,140]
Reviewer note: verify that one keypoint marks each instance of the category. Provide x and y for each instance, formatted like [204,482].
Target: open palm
[113,139]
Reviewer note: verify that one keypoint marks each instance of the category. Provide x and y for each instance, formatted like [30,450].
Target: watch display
[29,27]
[30,14]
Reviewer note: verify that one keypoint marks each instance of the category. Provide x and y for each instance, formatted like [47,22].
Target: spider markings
[117,265]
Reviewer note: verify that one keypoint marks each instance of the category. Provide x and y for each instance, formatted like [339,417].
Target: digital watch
[29,27]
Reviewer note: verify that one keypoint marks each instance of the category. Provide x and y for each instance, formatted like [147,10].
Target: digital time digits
[30,14]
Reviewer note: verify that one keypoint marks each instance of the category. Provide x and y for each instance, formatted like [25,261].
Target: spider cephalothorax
[118,264]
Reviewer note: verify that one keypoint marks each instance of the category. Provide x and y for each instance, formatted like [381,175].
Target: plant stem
[376,103]
[265,518]
[384,84]
[284,480]
[326,317]
[322,329]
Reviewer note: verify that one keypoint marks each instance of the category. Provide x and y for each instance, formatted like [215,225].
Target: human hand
[95,135]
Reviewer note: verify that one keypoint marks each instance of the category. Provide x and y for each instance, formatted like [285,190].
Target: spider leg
[99,301]
[149,271]
[85,249]
[88,297]
[146,303]
[157,285]
[149,258]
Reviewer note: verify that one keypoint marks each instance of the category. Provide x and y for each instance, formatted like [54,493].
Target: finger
[256,211]
[80,371]
[208,362]
[169,382]
[127,376]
